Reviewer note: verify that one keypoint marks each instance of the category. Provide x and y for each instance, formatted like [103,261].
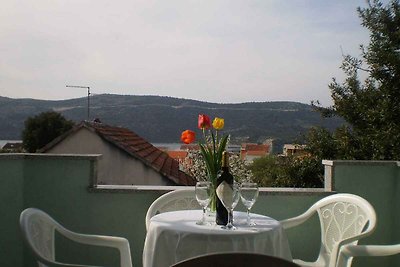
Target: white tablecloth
[175,236]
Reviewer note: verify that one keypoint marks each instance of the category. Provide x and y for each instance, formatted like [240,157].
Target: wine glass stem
[248,216]
[204,215]
[230,219]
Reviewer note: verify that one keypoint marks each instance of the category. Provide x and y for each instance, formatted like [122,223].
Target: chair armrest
[349,251]
[346,242]
[370,250]
[370,229]
[120,243]
[292,222]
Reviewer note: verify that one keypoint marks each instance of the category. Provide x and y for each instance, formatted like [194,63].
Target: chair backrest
[235,260]
[343,217]
[349,251]
[38,231]
[180,199]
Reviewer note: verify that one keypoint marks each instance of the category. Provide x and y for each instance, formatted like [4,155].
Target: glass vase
[213,201]
[212,177]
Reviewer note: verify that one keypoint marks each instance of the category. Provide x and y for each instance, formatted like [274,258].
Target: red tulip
[204,121]
[188,136]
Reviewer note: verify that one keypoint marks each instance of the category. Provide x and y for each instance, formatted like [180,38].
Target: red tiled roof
[140,149]
[190,147]
[255,147]
[179,154]
[249,149]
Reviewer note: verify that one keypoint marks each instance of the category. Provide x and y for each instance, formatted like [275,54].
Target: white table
[175,236]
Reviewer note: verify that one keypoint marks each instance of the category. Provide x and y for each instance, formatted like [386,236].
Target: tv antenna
[88,96]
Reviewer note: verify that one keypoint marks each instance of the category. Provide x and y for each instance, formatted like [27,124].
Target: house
[250,151]
[127,159]
[294,150]
[13,147]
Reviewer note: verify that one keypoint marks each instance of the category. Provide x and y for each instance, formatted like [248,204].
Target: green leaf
[221,148]
[208,158]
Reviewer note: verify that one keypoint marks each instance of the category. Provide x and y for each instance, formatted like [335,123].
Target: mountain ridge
[161,119]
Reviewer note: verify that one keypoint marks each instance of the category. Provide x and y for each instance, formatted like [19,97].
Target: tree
[43,128]
[291,171]
[320,143]
[266,170]
[371,107]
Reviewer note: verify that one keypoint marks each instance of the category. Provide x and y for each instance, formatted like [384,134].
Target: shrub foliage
[42,129]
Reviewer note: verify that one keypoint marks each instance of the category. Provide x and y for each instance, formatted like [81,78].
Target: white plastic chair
[347,252]
[343,219]
[180,199]
[38,230]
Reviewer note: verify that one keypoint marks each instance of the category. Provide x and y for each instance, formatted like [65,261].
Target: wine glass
[203,191]
[229,196]
[249,194]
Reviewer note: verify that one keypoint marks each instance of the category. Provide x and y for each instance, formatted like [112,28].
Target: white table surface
[175,236]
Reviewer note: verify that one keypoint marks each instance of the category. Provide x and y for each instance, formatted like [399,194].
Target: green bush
[43,128]
[277,171]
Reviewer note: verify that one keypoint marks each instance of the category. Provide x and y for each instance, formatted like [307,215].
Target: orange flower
[204,122]
[188,136]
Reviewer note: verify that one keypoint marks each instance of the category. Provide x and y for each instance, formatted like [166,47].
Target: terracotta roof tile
[168,166]
[150,153]
[179,154]
[160,161]
[175,167]
[255,147]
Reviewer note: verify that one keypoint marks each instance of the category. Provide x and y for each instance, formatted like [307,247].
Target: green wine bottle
[221,217]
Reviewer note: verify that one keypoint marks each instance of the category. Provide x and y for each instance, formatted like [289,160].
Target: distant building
[127,159]
[294,150]
[250,151]
[13,147]
[270,143]
[190,147]
[234,149]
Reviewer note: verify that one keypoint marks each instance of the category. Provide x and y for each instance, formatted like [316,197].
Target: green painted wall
[59,186]
[11,203]
[378,183]
[396,210]
[283,206]
[61,189]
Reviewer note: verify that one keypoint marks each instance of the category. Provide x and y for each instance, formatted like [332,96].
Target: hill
[161,119]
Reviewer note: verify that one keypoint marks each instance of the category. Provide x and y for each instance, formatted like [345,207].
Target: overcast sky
[218,51]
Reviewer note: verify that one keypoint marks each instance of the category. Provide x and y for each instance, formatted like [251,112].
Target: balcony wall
[62,186]
[378,182]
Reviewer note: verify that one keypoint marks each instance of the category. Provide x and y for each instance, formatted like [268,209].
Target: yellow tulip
[218,123]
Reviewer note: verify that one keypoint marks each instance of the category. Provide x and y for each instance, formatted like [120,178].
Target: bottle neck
[225,168]
[225,160]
